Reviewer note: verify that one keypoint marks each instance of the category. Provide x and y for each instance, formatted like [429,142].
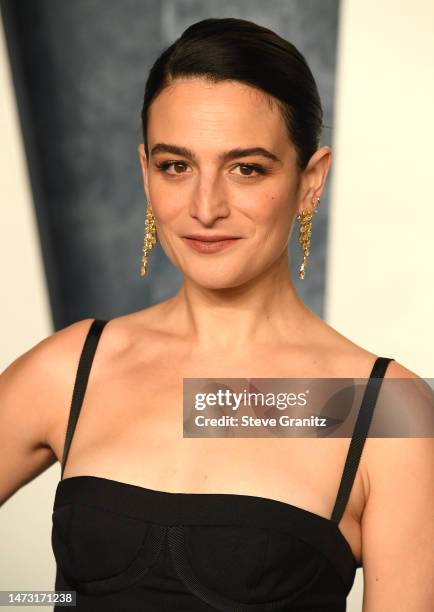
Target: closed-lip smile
[208,244]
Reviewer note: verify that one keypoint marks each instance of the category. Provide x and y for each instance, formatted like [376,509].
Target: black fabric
[126,547]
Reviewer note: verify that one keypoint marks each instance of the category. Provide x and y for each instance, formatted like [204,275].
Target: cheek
[167,212]
[273,215]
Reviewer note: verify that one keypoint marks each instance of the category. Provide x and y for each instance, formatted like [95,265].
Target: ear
[314,177]
[144,165]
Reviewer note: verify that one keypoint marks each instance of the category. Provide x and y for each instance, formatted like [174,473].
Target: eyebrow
[162,147]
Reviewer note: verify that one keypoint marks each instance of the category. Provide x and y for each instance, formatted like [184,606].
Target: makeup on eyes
[257,168]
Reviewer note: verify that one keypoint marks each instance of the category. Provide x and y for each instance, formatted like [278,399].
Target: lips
[210,245]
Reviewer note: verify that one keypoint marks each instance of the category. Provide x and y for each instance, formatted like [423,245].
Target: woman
[145,519]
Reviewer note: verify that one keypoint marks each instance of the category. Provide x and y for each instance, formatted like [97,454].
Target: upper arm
[398,522]
[33,390]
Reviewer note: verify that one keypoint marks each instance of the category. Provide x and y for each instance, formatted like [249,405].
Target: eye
[246,169]
[163,166]
[249,167]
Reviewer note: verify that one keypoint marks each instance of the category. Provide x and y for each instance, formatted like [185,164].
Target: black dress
[124,547]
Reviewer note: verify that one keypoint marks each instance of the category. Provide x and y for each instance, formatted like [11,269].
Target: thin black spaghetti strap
[360,432]
[81,379]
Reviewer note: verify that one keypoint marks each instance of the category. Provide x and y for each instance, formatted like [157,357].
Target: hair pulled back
[240,50]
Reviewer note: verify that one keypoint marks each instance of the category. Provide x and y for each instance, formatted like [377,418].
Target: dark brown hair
[240,50]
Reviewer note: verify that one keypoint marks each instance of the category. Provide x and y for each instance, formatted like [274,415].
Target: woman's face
[199,180]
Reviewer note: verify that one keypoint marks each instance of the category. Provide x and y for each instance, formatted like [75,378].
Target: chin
[217,278]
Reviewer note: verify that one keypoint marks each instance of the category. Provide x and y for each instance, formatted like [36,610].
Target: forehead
[196,111]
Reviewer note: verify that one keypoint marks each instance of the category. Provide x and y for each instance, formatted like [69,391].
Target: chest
[130,429]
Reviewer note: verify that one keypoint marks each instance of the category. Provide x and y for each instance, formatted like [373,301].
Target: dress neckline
[208,496]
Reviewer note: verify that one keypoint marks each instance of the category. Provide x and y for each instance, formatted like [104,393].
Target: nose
[209,203]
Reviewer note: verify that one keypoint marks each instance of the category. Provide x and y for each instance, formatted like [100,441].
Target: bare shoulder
[33,389]
[412,396]
[46,358]
[33,382]
[50,356]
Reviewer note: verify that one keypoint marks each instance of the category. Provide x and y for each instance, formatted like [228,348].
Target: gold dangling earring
[150,238]
[305,233]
